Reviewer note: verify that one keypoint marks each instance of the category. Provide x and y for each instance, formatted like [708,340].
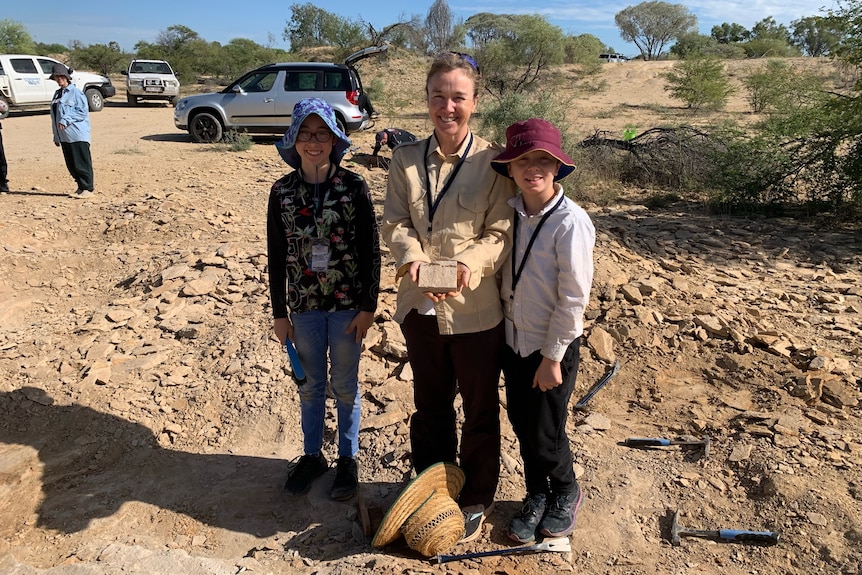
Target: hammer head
[675,529]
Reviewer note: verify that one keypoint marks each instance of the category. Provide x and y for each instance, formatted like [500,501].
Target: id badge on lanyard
[320,252]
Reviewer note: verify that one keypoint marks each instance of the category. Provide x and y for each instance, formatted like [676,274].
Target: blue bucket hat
[287,145]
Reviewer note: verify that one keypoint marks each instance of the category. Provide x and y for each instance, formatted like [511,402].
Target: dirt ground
[147,416]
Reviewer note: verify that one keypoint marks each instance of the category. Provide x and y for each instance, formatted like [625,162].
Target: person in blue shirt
[70,122]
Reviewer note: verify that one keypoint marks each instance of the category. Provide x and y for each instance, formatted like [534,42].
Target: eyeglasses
[469,59]
[318,136]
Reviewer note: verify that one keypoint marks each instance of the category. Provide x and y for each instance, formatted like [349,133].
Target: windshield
[151,68]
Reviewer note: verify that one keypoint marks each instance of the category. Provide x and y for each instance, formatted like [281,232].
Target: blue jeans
[318,334]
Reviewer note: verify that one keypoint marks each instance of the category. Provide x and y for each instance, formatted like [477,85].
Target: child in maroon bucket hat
[546,287]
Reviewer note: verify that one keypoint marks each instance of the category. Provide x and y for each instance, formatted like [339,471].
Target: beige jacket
[472,225]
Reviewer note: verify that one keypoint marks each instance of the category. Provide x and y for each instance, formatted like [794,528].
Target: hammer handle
[647,441]
[743,535]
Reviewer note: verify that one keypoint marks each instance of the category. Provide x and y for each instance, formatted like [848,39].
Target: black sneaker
[346,479]
[303,472]
[474,518]
[562,514]
[522,527]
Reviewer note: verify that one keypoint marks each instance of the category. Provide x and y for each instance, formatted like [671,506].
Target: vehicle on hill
[24,83]
[261,101]
[151,80]
[613,58]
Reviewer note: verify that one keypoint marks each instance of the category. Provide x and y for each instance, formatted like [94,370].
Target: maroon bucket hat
[528,136]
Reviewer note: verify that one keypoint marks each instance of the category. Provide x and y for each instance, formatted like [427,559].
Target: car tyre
[94,99]
[174,100]
[339,121]
[131,100]
[205,128]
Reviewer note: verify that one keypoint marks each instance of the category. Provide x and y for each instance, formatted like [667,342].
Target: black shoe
[346,479]
[303,472]
[522,527]
[562,514]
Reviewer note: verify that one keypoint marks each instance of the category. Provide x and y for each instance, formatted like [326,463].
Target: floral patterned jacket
[340,213]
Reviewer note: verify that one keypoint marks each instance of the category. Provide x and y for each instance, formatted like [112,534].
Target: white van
[24,83]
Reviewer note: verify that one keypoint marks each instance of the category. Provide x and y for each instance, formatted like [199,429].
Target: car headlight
[181,105]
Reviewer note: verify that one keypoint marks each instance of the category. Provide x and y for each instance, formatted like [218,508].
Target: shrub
[700,82]
[235,141]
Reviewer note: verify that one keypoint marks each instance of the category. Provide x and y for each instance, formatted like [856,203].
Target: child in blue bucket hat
[324,277]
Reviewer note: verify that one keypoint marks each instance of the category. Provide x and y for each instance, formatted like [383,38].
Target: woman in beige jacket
[445,202]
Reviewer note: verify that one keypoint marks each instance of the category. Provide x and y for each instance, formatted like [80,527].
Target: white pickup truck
[24,83]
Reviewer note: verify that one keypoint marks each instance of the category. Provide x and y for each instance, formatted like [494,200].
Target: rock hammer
[664,442]
[677,532]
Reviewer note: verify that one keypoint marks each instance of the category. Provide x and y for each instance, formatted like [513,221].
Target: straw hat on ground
[426,513]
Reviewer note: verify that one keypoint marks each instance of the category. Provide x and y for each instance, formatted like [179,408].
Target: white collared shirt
[546,310]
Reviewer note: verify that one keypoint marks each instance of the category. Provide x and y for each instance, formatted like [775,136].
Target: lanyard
[432,207]
[517,275]
[320,203]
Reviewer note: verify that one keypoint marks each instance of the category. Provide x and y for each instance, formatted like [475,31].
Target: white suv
[151,80]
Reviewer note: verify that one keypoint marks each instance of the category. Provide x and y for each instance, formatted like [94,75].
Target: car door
[298,84]
[251,101]
[28,83]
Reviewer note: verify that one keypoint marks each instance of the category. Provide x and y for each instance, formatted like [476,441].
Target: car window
[24,65]
[335,81]
[162,68]
[46,65]
[305,80]
[260,82]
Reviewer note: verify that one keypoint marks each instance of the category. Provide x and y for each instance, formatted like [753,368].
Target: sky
[263,21]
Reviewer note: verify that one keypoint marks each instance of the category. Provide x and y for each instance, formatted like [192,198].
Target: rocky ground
[147,415]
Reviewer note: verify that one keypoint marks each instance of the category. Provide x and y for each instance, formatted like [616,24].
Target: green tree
[104,58]
[816,35]
[653,25]
[42,49]
[584,51]
[14,38]
[694,43]
[769,28]
[188,54]
[730,33]
[700,82]
[310,27]
[516,52]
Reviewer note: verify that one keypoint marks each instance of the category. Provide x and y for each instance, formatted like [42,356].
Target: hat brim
[439,476]
[287,145]
[567,166]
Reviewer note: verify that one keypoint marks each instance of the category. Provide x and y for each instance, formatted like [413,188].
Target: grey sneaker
[562,514]
[83,195]
[302,473]
[522,527]
[346,479]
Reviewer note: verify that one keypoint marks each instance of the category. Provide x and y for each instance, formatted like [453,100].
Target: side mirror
[124,72]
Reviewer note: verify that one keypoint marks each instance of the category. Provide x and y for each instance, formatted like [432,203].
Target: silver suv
[151,80]
[261,101]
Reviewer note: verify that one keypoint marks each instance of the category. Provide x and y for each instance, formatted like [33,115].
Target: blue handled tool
[295,364]
[664,442]
[729,535]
